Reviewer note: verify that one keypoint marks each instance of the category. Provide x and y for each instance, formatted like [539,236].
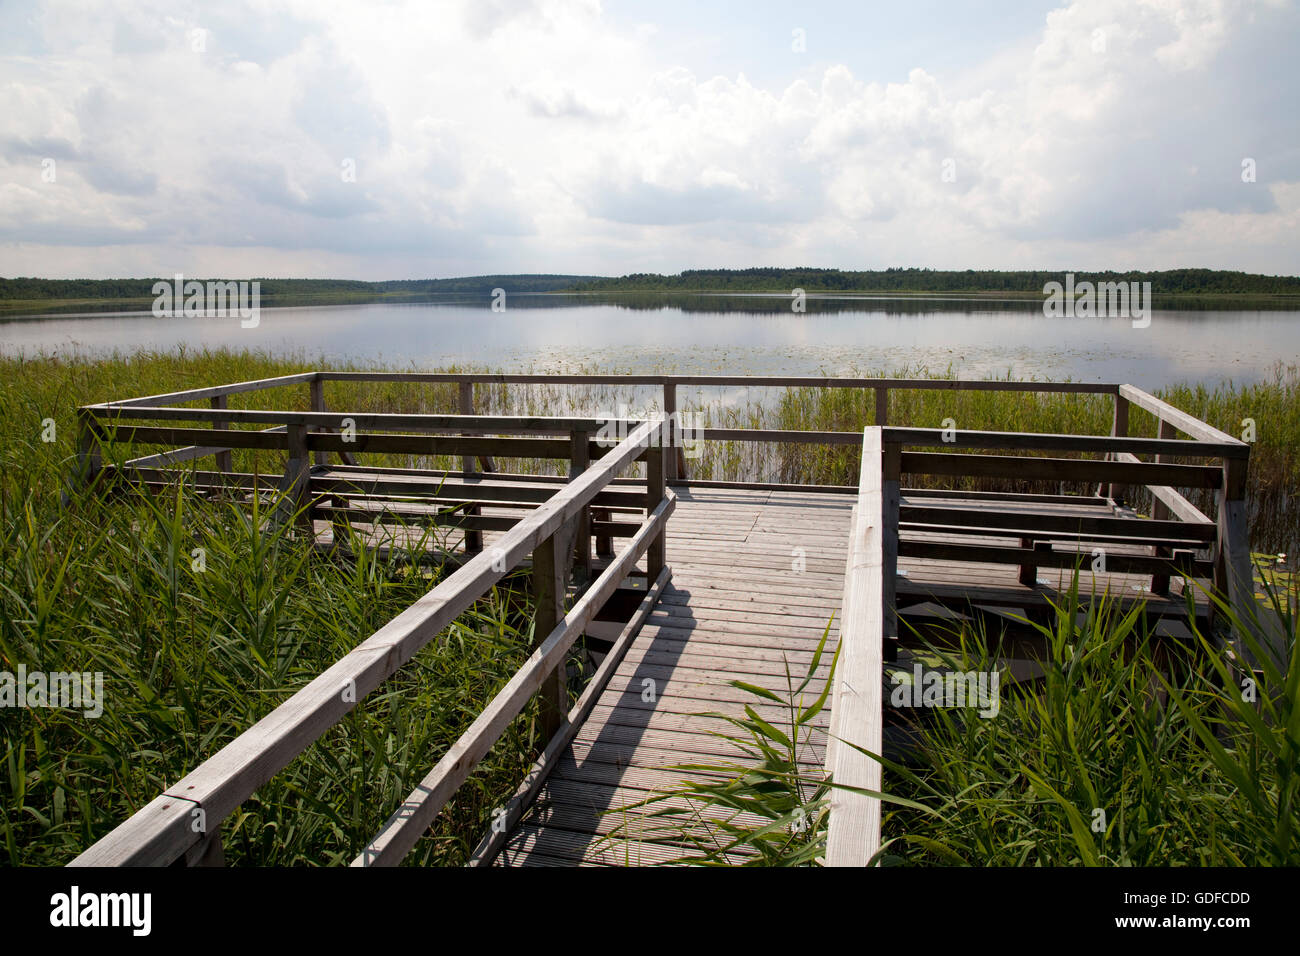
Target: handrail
[165,829]
[756,381]
[1185,423]
[853,832]
[452,424]
[108,413]
[216,391]
[406,825]
[972,438]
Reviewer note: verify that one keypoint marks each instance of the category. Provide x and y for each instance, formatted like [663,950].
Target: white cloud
[536,136]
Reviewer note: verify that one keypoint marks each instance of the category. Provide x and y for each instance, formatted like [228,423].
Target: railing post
[318,405]
[579,459]
[224,459]
[891,460]
[1160,580]
[1118,429]
[677,457]
[656,555]
[882,406]
[604,540]
[473,536]
[1028,575]
[89,455]
[1233,571]
[1160,512]
[467,408]
[296,484]
[550,583]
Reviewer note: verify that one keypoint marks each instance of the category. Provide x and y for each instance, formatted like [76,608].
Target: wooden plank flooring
[756,578]
[712,626]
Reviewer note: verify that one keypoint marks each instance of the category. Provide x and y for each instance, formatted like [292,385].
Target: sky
[387,140]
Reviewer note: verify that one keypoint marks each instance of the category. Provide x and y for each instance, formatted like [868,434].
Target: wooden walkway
[739,581]
[742,604]
[756,576]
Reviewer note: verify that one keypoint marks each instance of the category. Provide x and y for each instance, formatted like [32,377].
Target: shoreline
[26,309]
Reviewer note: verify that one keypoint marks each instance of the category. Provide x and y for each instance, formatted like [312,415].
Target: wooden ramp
[756,576]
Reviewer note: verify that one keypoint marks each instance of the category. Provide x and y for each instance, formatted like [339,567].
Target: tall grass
[192,657]
[1127,752]
[203,616]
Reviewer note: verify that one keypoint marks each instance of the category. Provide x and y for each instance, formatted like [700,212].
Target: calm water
[715,334]
[734,335]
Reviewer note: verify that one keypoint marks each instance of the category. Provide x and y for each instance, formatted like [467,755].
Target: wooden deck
[736,610]
[756,576]
[729,582]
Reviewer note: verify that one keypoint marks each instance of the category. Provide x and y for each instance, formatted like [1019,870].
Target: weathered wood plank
[111,412]
[756,381]
[1139,530]
[1060,469]
[1042,441]
[197,394]
[1178,505]
[853,836]
[1041,554]
[1185,423]
[224,460]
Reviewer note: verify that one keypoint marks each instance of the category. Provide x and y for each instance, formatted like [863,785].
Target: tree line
[1169,282]
[894,280]
[34,288]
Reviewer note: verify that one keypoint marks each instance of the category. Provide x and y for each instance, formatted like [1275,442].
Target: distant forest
[1172,282]
[24,288]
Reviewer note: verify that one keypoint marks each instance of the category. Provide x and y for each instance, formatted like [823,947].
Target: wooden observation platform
[675,587]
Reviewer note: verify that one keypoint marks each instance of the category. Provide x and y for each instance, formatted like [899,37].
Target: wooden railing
[166,830]
[853,834]
[889,522]
[869,620]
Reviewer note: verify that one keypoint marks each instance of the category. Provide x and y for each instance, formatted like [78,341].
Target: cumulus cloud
[538,135]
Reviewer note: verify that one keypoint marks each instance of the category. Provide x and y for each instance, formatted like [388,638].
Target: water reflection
[701,334]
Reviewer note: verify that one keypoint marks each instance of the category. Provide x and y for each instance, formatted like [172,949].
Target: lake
[699,334]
